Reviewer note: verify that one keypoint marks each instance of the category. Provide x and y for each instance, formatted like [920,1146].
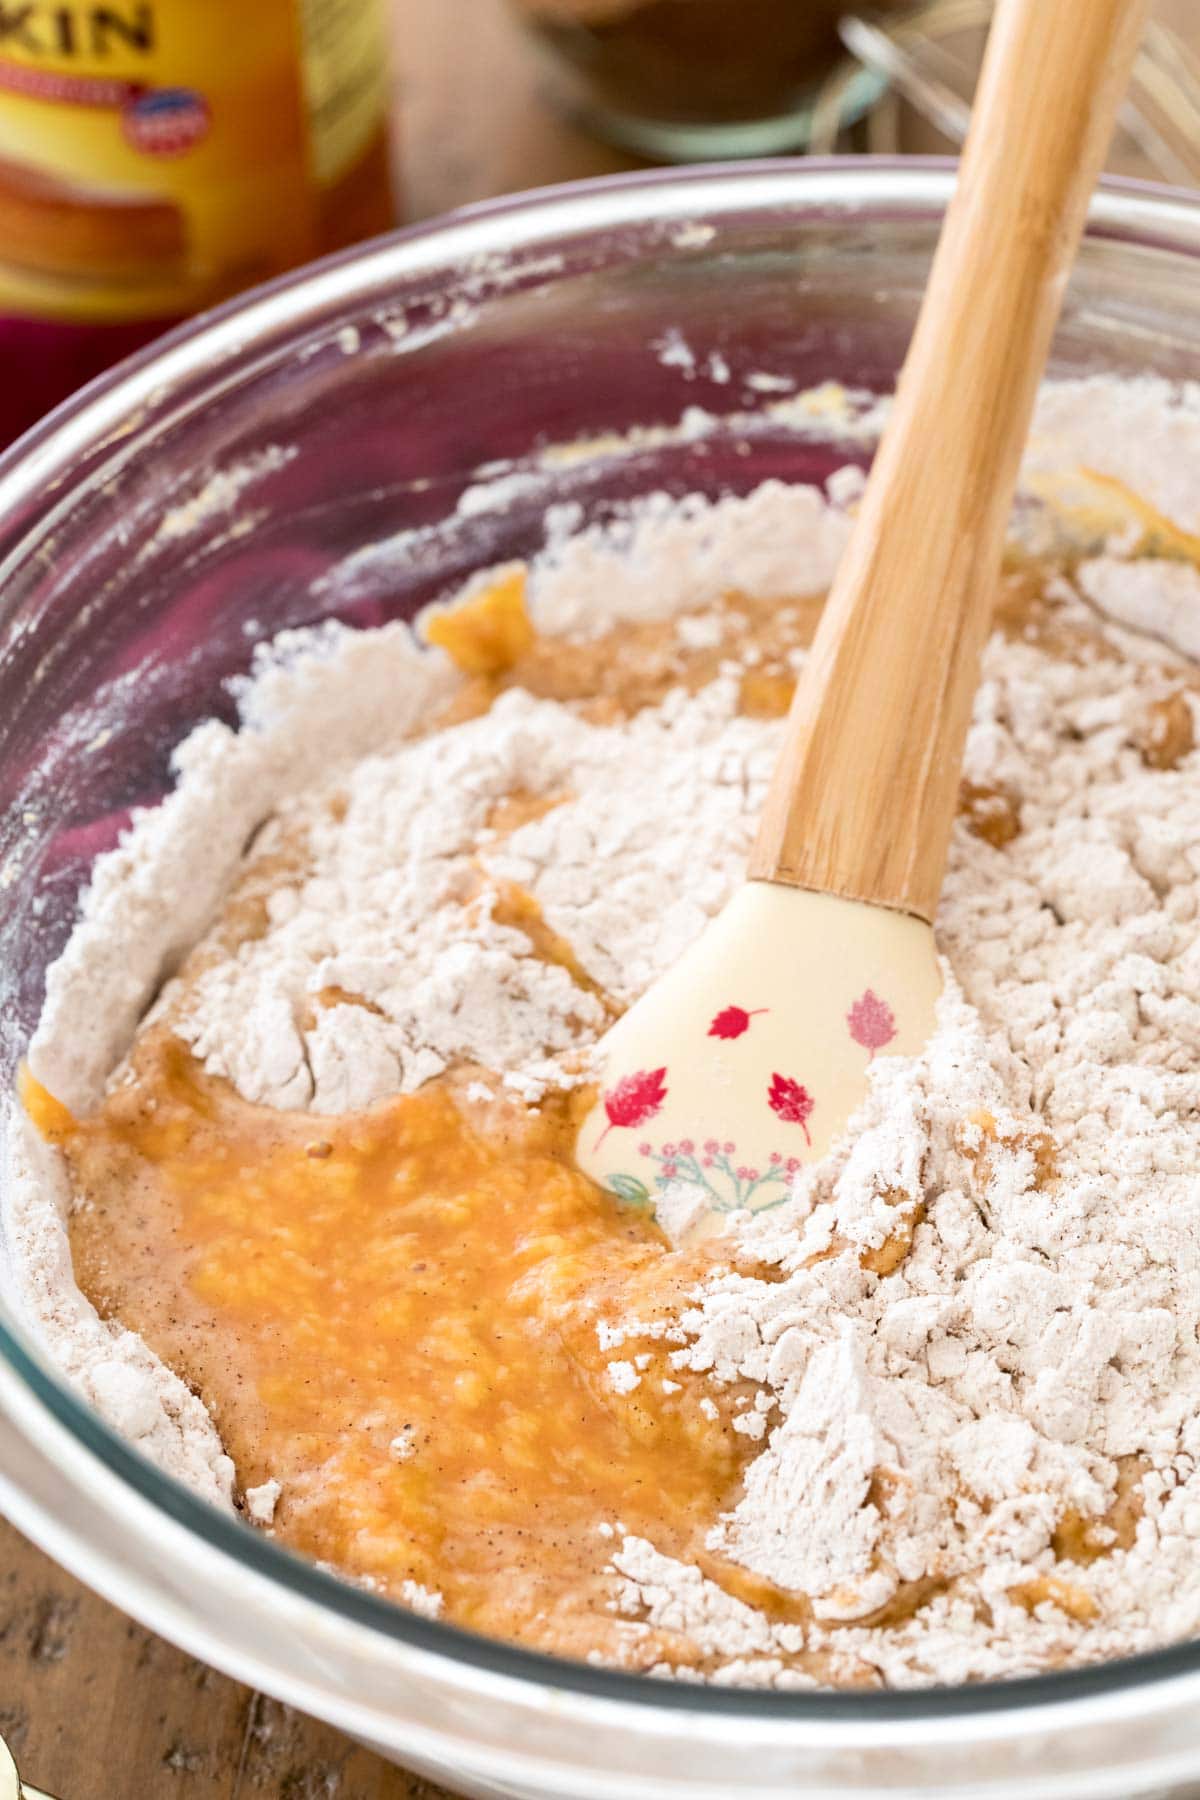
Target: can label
[156,155]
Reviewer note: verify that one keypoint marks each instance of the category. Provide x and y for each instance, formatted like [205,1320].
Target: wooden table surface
[94,1707]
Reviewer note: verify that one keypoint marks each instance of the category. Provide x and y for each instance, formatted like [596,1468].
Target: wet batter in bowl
[932,1410]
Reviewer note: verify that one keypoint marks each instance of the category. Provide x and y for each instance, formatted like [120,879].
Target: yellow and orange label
[156,155]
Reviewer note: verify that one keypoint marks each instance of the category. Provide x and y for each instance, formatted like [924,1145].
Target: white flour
[926,1427]
[387,909]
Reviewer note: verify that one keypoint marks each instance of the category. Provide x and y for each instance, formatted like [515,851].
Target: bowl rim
[33,474]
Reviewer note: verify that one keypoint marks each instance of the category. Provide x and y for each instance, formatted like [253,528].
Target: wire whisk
[931,57]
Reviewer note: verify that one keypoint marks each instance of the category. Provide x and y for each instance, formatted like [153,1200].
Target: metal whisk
[918,55]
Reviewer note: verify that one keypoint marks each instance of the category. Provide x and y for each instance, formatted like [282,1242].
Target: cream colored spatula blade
[745,1061]
[760,1039]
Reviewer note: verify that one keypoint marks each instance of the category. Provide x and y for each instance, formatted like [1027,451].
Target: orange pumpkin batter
[395,1316]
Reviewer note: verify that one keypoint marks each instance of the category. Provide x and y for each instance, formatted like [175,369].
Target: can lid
[931,56]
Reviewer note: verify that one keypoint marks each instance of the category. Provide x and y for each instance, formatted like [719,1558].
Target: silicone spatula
[747,1059]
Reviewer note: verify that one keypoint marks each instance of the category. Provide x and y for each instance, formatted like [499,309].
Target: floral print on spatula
[714,1167]
[731,1182]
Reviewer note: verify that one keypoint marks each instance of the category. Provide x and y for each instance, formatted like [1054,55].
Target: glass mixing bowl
[323,447]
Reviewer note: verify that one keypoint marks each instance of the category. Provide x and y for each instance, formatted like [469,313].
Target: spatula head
[747,1059]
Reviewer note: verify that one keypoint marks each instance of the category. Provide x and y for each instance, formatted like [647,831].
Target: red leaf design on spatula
[872,1022]
[791,1102]
[732,1021]
[634,1099]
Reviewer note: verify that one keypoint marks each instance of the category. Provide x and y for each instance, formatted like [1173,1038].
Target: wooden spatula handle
[863,798]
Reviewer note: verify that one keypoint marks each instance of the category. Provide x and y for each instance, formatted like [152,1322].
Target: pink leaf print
[732,1021]
[634,1099]
[872,1022]
[791,1102]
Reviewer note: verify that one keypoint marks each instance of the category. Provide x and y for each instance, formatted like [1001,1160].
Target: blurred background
[157,158]
[495,95]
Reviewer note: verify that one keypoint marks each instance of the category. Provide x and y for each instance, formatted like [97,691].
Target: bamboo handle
[863,799]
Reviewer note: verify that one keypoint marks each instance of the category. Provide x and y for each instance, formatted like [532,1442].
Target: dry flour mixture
[946,1398]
